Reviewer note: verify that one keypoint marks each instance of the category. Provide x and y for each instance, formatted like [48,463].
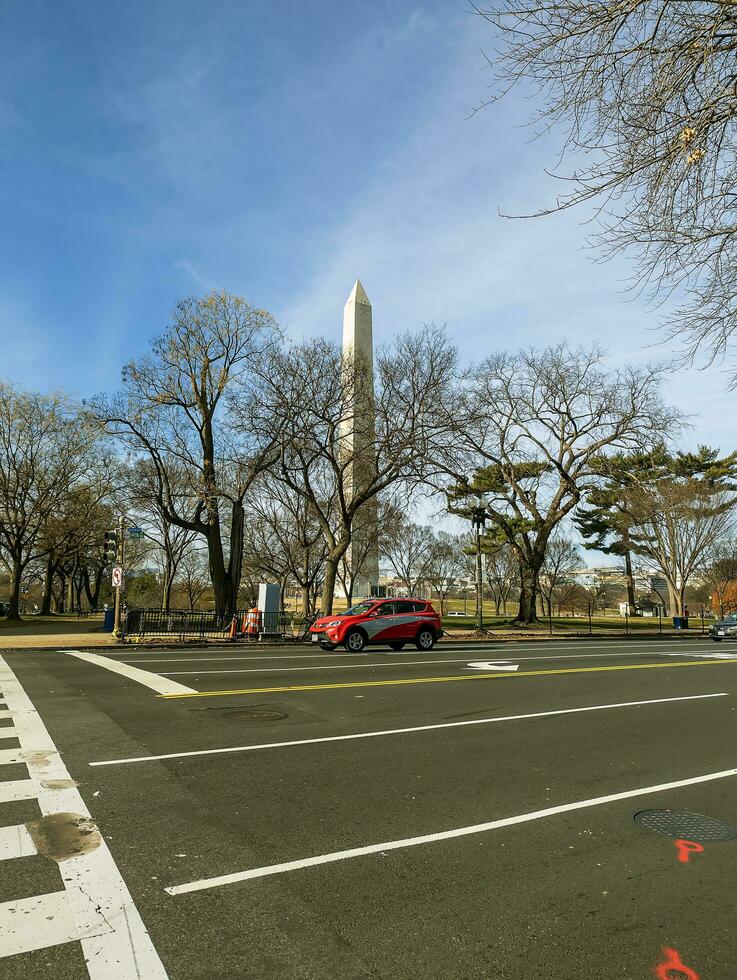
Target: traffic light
[110,546]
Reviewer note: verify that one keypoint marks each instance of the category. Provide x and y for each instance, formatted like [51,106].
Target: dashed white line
[399,731]
[479,828]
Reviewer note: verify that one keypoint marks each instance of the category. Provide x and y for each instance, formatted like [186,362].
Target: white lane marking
[8,733]
[402,663]
[15,842]
[707,656]
[274,670]
[114,939]
[9,757]
[479,828]
[487,665]
[17,789]
[162,685]
[400,731]
[470,648]
[36,923]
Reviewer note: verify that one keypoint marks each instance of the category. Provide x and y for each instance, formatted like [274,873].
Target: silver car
[725,629]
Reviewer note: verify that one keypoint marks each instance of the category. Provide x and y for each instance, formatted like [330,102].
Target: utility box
[269,604]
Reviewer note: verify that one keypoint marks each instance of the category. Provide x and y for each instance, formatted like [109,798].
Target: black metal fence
[206,623]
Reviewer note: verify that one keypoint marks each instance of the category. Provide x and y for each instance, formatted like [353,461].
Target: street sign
[117,576]
[134,533]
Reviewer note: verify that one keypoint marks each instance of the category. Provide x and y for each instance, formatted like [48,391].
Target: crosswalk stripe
[8,732]
[36,923]
[9,757]
[95,907]
[17,789]
[16,842]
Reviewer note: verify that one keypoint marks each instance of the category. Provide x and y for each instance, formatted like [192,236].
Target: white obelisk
[358,437]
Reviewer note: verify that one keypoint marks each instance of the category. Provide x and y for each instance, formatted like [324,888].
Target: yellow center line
[445,680]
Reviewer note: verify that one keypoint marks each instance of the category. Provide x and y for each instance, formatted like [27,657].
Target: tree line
[226,443]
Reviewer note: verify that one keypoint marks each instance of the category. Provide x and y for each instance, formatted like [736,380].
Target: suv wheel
[425,639]
[355,641]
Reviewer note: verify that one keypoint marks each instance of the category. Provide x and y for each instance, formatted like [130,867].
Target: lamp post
[478,519]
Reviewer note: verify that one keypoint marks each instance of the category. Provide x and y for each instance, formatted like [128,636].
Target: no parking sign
[117,576]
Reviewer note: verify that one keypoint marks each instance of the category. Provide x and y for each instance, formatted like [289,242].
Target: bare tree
[542,419]
[284,541]
[307,396]
[192,575]
[642,93]
[447,564]
[175,411]
[45,451]
[410,550]
[678,523]
[172,541]
[720,574]
[561,558]
[502,574]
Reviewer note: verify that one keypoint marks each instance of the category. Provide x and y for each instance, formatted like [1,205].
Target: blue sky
[278,150]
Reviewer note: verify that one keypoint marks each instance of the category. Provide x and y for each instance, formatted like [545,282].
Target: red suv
[395,622]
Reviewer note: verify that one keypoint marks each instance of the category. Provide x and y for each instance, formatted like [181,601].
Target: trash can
[684,623]
[108,622]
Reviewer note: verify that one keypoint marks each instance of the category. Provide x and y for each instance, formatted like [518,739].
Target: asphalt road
[334,856]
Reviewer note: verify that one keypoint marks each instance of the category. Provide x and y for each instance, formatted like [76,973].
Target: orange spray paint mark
[674,968]
[686,847]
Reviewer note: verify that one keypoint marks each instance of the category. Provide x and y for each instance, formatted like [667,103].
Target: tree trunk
[224,586]
[527,611]
[630,579]
[328,586]
[167,585]
[48,582]
[15,579]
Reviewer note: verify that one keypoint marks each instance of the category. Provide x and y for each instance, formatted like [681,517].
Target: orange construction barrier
[233,627]
[254,623]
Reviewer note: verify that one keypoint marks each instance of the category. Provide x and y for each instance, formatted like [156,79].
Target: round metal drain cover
[684,825]
[244,714]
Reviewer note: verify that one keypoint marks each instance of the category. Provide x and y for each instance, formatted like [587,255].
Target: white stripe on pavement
[411,663]
[8,732]
[9,757]
[114,940]
[17,789]
[36,923]
[479,828]
[497,648]
[16,842]
[162,685]
[400,731]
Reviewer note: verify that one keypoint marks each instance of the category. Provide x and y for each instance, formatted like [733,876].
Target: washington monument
[358,437]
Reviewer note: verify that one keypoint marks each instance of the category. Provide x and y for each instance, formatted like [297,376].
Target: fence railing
[204,623]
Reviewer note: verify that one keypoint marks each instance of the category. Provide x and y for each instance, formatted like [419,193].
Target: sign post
[117,581]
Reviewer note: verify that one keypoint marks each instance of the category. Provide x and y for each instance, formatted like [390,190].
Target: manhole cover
[255,715]
[685,825]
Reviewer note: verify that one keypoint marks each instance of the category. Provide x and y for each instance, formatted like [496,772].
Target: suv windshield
[360,609]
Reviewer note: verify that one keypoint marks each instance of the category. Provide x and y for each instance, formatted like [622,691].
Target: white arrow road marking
[488,665]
